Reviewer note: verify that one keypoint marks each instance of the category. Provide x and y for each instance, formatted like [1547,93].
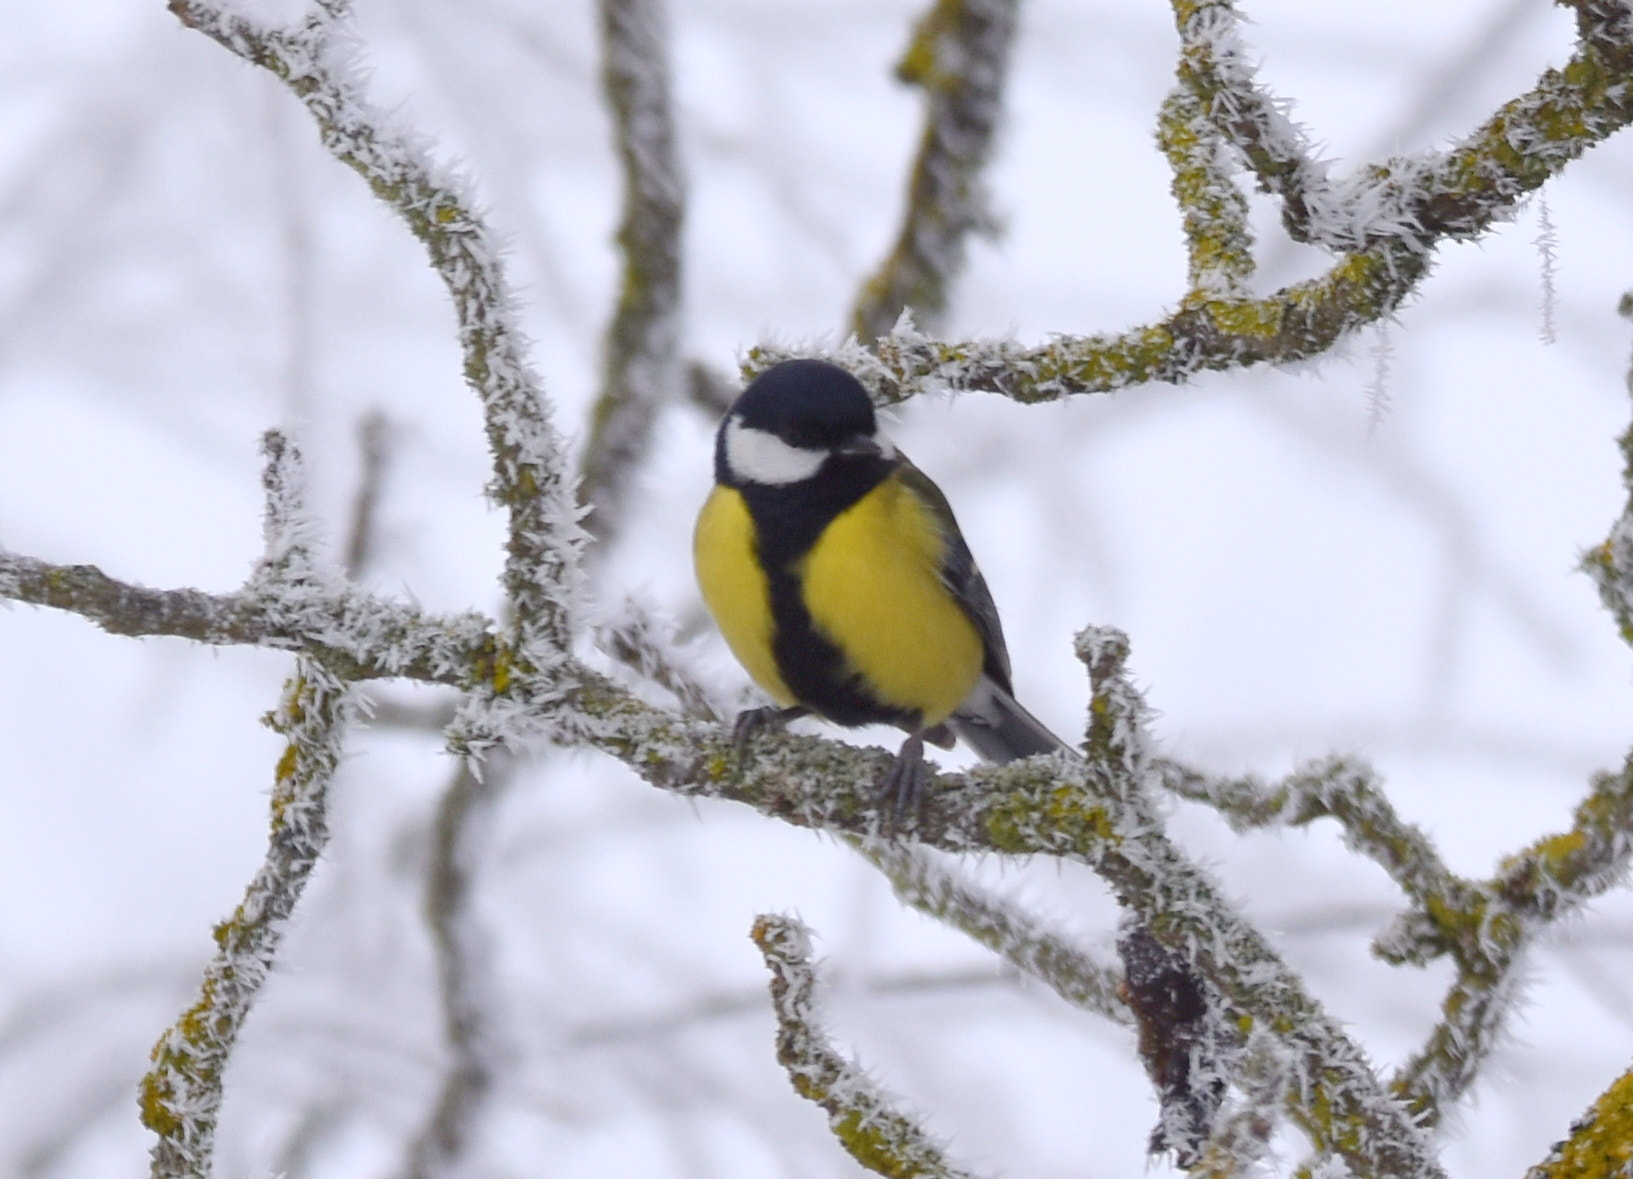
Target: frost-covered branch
[1493,926]
[1227,105]
[1298,322]
[1598,1146]
[641,365]
[181,1094]
[287,603]
[1217,238]
[1331,1093]
[1384,222]
[357,635]
[959,57]
[1002,927]
[865,1121]
[632,637]
[1338,788]
[1096,811]
[531,482]
[1453,194]
[1485,926]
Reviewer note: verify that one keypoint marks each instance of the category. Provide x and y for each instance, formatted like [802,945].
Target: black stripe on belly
[814,669]
[787,522]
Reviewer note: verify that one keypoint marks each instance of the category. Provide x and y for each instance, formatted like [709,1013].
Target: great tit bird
[838,575]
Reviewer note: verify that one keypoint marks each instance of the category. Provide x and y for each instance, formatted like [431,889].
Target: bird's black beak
[860,446]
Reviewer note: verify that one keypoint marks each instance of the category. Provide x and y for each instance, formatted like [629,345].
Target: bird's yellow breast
[735,587]
[872,586]
[872,583]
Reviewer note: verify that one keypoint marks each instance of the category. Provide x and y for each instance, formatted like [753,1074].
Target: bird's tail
[993,724]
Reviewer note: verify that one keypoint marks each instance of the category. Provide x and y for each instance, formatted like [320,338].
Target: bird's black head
[810,404]
[793,419]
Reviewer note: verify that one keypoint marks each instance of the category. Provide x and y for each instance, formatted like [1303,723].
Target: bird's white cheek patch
[756,456]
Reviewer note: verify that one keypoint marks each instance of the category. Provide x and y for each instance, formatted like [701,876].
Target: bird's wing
[993,723]
[962,577]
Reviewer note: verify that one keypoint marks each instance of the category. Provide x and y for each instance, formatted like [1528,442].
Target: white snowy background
[182,267]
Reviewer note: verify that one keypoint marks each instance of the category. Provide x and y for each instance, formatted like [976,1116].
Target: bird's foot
[903,788]
[752,720]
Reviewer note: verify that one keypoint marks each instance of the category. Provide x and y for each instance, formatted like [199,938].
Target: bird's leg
[750,721]
[902,790]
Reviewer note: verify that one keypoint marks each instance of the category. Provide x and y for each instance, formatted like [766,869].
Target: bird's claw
[903,788]
[752,720]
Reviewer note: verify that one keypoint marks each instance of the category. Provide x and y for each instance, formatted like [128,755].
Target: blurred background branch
[642,371]
[959,57]
[472,1003]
